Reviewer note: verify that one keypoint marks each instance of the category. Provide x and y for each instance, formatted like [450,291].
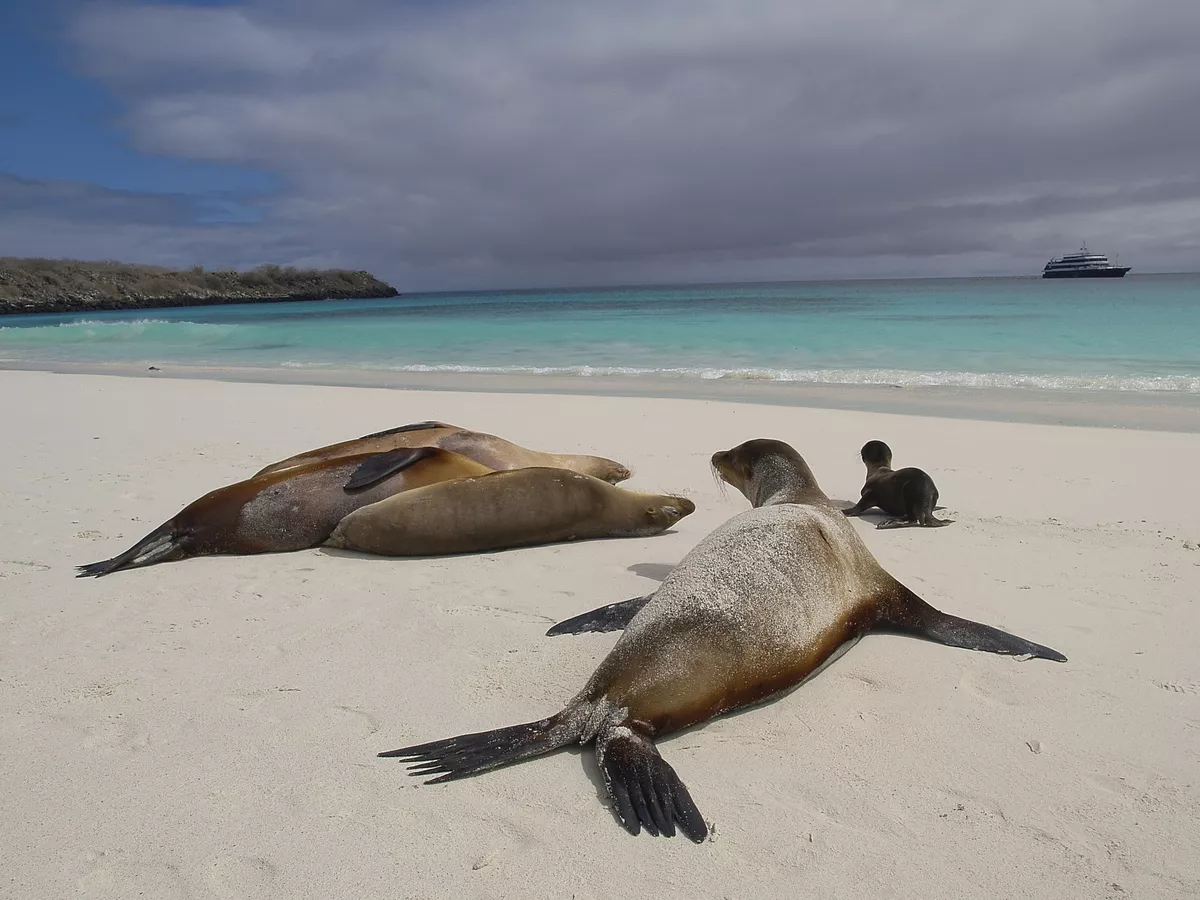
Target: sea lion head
[766,472]
[605,469]
[660,513]
[876,454]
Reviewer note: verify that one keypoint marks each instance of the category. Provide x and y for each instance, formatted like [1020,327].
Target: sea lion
[287,510]
[761,604]
[505,509]
[908,494]
[494,452]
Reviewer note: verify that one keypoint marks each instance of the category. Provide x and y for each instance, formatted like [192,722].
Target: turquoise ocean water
[1140,333]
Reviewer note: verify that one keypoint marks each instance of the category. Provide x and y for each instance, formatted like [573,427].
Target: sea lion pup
[505,509]
[758,606]
[287,510]
[908,494]
[494,452]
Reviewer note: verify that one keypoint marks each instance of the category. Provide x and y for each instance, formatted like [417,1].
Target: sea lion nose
[679,508]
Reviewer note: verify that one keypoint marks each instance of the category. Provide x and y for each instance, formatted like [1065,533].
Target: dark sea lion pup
[502,510]
[287,510]
[493,452]
[908,494]
[758,606]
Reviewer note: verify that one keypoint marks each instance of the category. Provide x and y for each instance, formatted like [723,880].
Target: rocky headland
[60,286]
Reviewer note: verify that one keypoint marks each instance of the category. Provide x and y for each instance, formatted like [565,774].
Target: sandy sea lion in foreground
[505,509]
[758,606]
[908,494]
[493,452]
[287,510]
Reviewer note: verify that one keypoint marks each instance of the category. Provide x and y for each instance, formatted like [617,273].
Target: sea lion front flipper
[382,465]
[912,615]
[415,426]
[644,788]
[613,617]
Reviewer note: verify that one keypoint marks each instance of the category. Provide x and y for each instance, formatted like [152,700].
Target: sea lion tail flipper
[159,544]
[383,465]
[470,754]
[921,499]
[644,788]
[613,617]
[915,616]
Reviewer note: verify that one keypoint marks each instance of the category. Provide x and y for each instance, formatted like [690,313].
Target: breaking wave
[1187,384]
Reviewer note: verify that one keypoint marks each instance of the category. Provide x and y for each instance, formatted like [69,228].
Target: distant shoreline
[33,286]
[1135,410]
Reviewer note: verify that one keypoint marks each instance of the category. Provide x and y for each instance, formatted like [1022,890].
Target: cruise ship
[1083,265]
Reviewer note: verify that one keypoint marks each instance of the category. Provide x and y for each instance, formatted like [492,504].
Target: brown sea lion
[500,510]
[287,510]
[761,604]
[909,494]
[494,452]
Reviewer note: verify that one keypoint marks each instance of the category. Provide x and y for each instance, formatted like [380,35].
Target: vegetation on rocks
[62,285]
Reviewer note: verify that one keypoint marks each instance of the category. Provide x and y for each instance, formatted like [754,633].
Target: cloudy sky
[460,143]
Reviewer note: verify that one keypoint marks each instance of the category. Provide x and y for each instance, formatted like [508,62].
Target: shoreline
[1148,411]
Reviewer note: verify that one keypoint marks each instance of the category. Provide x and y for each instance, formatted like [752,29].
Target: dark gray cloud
[462,144]
[86,221]
[91,204]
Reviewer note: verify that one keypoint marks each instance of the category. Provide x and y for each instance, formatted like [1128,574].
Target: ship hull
[1113,272]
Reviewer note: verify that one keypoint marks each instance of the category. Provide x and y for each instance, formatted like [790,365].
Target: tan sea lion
[287,510]
[494,452]
[761,604]
[909,494]
[500,510]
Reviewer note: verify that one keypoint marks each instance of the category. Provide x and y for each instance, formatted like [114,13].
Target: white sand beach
[208,728]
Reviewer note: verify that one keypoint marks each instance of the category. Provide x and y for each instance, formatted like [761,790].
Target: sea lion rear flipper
[932,521]
[470,754]
[383,465]
[912,615]
[157,546]
[921,499]
[644,788]
[614,617]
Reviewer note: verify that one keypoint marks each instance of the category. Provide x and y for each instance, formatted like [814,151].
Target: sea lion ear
[376,468]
